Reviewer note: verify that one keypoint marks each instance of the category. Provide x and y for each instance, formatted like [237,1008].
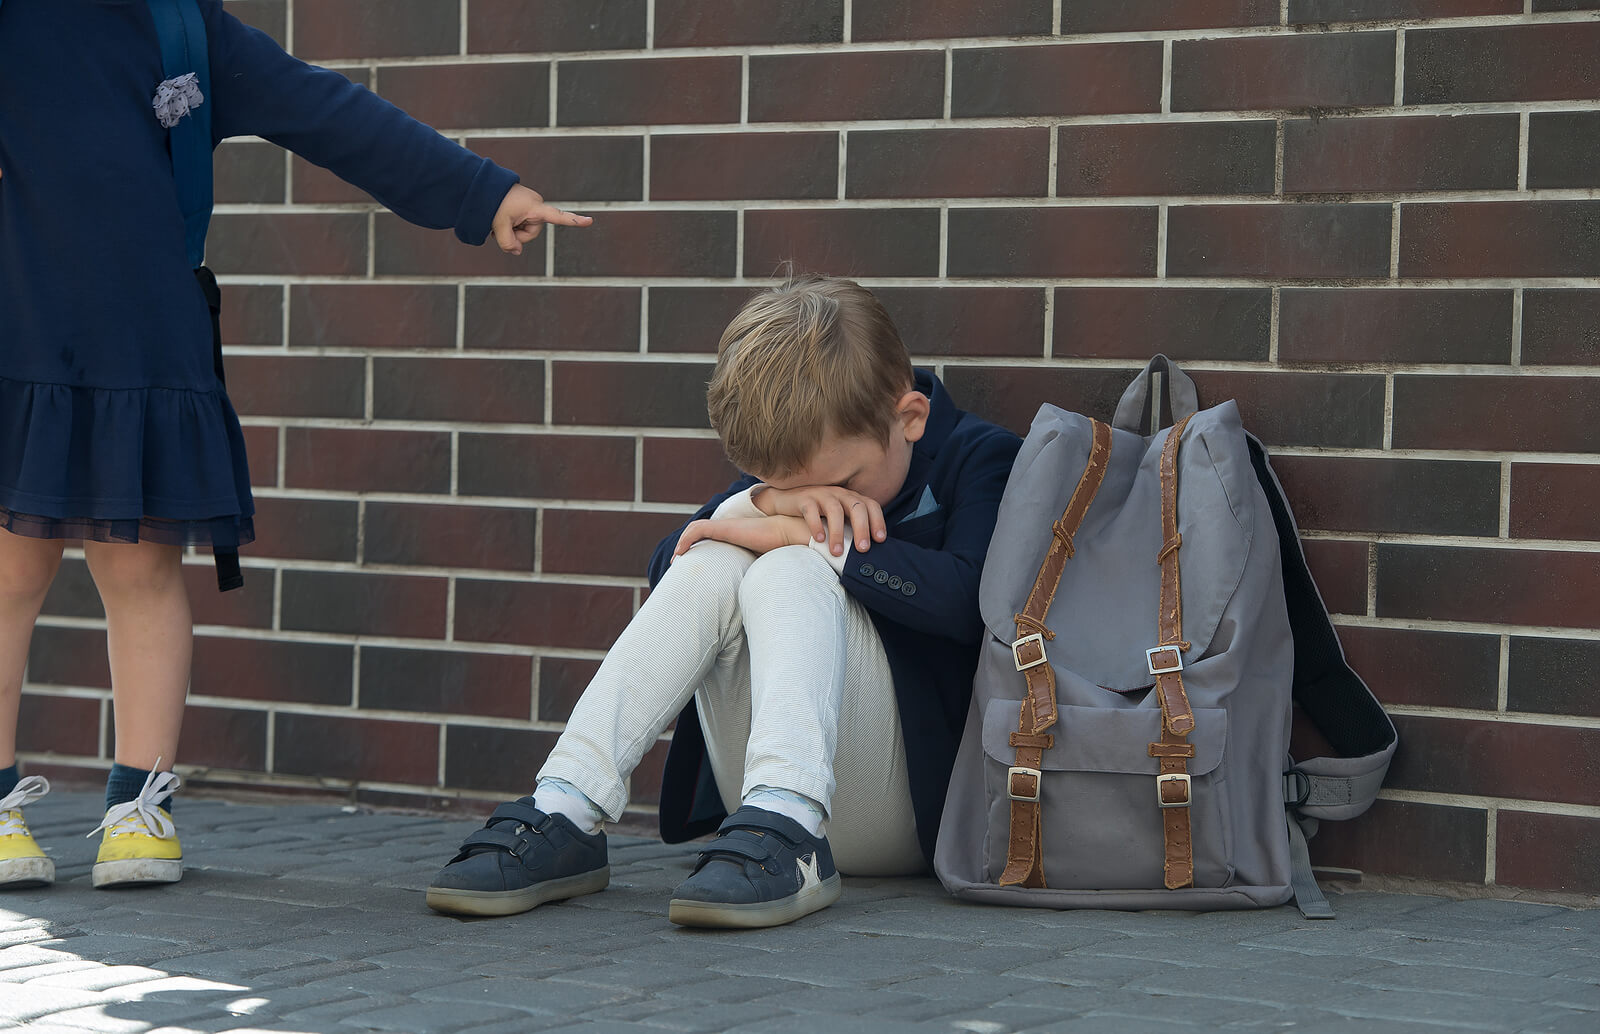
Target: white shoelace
[26,792]
[130,816]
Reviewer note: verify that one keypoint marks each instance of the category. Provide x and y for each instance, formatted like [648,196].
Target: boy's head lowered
[814,386]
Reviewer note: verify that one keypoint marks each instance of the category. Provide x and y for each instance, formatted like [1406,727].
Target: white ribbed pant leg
[816,713]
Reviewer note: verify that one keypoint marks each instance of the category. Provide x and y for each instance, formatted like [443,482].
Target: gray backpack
[1128,740]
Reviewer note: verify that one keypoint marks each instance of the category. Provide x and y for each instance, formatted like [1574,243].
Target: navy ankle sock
[124,783]
[9,779]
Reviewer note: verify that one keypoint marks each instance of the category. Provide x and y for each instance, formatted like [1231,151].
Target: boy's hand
[523,214]
[757,534]
[826,509]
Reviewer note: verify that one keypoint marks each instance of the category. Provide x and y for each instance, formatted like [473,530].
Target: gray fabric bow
[175,98]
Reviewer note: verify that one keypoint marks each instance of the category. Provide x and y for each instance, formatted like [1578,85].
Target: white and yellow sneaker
[141,840]
[22,864]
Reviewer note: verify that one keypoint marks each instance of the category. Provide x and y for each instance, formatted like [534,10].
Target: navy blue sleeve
[258,90]
[935,589]
[662,557]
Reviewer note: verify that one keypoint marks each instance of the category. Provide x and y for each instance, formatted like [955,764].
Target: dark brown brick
[1082,16]
[605,542]
[848,242]
[266,15]
[292,244]
[249,607]
[1387,326]
[1302,11]
[1527,852]
[252,315]
[372,315]
[247,173]
[1429,497]
[986,321]
[364,604]
[1330,410]
[1182,322]
[1500,238]
[547,26]
[376,28]
[1520,414]
[667,243]
[303,386]
[1352,155]
[305,529]
[446,682]
[359,460]
[572,168]
[1279,241]
[1347,69]
[1497,586]
[1496,759]
[278,670]
[1502,63]
[723,23]
[1561,327]
[562,681]
[1010,396]
[928,19]
[221,737]
[648,91]
[450,536]
[1340,571]
[1166,158]
[68,657]
[261,443]
[644,784]
[364,749]
[631,394]
[546,466]
[505,761]
[1564,149]
[596,319]
[1426,669]
[824,87]
[471,96]
[58,725]
[1401,838]
[406,250]
[1053,242]
[948,163]
[541,613]
[1552,676]
[313,185]
[1555,501]
[1563,5]
[72,594]
[723,166]
[502,391]
[692,319]
[1082,79]
[685,470]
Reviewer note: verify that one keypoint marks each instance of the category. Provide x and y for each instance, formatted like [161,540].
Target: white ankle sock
[790,805]
[559,797]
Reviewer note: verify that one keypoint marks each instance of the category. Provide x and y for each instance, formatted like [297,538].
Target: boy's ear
[912,411]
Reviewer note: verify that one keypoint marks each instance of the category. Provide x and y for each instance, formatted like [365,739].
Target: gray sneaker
[520,859]
[763,869]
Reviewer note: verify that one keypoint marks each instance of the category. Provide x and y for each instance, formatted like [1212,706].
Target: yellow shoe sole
[134,872]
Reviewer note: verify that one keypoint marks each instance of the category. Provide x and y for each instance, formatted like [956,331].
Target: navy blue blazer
[920,587]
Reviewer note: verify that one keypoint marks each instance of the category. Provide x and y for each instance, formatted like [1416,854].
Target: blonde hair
[815,355]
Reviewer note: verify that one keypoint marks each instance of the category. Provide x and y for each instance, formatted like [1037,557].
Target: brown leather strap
[1173,789]
[1024,782]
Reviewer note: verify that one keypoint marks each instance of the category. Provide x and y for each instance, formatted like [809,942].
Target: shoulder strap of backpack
[182,32]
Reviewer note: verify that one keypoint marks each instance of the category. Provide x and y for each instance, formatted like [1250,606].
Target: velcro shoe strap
[739,842]
[526,814]
[494,838]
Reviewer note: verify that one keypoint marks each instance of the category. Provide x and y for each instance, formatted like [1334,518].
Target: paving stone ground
[302,917]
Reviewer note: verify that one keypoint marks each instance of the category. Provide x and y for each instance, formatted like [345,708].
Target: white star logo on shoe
[808,872]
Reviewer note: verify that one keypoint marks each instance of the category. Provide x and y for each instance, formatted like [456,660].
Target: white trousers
[793,690]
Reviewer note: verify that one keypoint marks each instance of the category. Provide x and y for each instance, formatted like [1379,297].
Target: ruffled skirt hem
[223,534]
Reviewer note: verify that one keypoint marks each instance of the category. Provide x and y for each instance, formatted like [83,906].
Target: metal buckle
[1173,777]
[1150,659]
[1016,770]
[1016,655]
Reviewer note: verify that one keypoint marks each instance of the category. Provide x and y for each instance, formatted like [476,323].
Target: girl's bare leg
[27,566]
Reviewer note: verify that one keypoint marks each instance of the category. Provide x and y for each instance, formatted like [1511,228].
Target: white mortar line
[1399,67]
[1522,150]
[1503,678]
[1491,843]
[1166,77]
[1505,499]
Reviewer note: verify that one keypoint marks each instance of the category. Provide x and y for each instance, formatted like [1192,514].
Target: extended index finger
[561,217]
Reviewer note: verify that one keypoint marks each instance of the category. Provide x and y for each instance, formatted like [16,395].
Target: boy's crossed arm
[795,517]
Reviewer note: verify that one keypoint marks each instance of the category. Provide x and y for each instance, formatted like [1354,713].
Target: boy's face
[865,465]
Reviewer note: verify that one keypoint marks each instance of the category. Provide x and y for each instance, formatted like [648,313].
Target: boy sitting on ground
[816,625]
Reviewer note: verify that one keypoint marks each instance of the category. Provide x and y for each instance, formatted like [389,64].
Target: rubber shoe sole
[136,872]
[511,902]
[23,873]
[736,916]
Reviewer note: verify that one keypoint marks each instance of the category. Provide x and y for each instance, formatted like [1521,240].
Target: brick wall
[1373,223]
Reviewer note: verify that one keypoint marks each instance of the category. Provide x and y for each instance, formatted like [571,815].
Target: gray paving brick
[444,1017]
[19,1003]
[133,1017]
[1081,968]
[545,996]
[1461,1012]
[695,1019]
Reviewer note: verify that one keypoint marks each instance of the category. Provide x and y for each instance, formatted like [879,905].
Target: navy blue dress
[113,423]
